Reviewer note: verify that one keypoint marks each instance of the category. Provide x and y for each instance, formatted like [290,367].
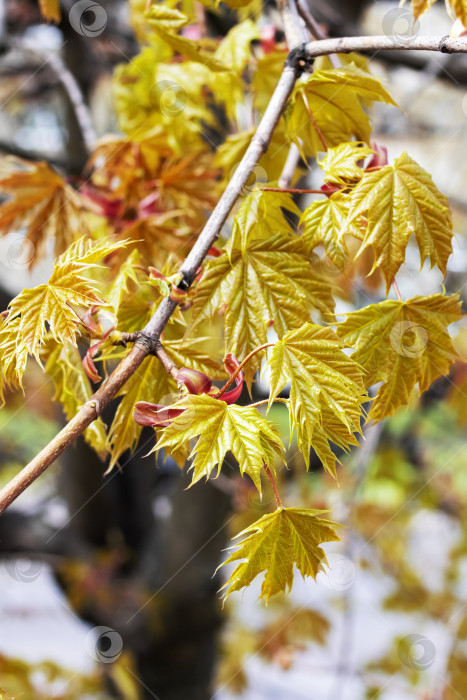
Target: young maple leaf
[401,343]
[51,303]
[41,201]
[394,202]
[273,280]
[222,428]
[342,164]
[13,357]
[458,8]
[151,382]
[277,542]
[326,390]
[328,106]
[50,10]
[325,222]
[72,388]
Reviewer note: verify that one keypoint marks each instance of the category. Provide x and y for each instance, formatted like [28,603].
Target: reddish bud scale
[196,382]
[178,295]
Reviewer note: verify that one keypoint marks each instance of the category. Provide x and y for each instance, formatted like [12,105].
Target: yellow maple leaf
[234,50]
[326,109]
[13,357]
[152,383]
[273,280]
[420,6]
[458,9]
[277,542]
[341,163]
[325,222]
[394,202]
[40,200]
[322,377]
[51,303]
[401,343]
[222,428]
[73,389]
[50,10]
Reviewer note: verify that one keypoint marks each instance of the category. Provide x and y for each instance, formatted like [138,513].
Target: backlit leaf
[277,542]
[222,428]
[42,202]
[402,343]
[394,202]
[73,389]
[272,281]
[326,388]
[51,303]
[329,103]
[341,164]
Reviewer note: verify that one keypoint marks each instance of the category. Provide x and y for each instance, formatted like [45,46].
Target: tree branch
[128,366]
[443,44]
[294,66]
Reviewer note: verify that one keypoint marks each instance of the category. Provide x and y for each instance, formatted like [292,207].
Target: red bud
[380,158]
[154,414]
[231,364]
[178,295]
[196,382]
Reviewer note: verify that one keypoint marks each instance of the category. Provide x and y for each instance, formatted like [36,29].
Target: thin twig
[258,145]
[274,485]
[315,29]
[70,86]
[396,289]
[291,190]
[443,44]
[128,366]
[264,401]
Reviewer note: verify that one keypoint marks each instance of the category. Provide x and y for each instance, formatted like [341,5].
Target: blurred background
[106,584]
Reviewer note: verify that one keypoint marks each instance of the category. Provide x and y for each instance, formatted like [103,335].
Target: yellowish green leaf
[341,164]
[402,344]
[394,202]
[51,303]
[325,222]
[222,428]
[234,50]
[327,107]
[277,542]
[273,280]
[322,378]
[73,389]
